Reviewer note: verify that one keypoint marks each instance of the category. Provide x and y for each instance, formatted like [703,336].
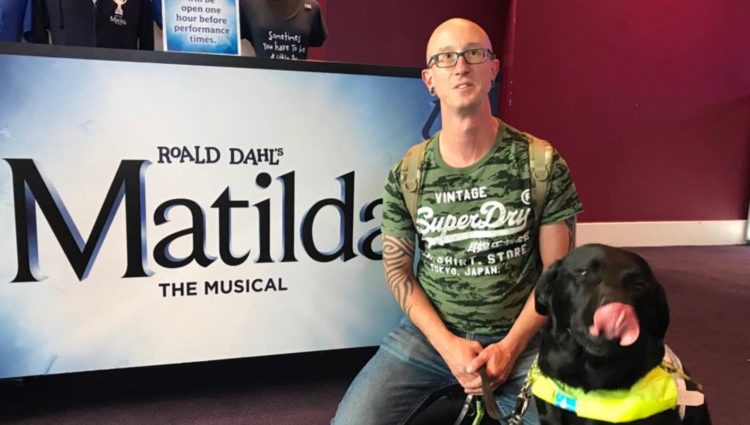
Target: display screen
[167,211]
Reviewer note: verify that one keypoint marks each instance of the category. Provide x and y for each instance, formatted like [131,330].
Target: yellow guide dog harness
[661,389]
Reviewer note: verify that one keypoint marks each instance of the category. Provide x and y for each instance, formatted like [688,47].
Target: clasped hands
[466,357]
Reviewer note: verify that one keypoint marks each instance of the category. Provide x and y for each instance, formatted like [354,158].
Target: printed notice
[201,26]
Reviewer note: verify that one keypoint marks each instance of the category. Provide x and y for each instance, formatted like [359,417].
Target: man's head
[462,86]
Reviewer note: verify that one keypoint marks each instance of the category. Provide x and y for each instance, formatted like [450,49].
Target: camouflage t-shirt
[479,257]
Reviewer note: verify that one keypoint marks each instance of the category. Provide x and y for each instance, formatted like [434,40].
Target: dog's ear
[656,306]
[662,311]
[543,290]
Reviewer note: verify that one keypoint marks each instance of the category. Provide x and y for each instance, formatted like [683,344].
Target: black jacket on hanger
[123,24]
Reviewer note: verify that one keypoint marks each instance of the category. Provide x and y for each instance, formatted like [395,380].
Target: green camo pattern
[479,257]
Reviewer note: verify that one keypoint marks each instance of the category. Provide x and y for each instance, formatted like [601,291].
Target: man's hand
[498,360]
[458,353]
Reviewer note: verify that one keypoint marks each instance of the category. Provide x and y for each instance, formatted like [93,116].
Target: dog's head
[606,298]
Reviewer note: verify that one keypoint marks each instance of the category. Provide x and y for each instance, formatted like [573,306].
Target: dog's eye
[587,276]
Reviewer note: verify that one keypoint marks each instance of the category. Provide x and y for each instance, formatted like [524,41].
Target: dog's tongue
[616,321]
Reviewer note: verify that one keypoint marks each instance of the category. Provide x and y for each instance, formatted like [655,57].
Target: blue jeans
[406,371]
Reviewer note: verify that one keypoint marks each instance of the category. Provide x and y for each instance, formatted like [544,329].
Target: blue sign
[201,26]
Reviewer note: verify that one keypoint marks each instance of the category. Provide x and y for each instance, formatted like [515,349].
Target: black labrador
[607,319]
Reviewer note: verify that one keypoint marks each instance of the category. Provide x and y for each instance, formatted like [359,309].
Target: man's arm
[555,241]
[398,262]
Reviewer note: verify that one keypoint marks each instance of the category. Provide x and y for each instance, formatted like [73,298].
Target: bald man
[470,305]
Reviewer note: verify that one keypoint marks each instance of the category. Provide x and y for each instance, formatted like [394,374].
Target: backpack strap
[540,168]
[411,176]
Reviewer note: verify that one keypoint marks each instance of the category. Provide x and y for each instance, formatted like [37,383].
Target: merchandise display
[15,16]
[122,24]
[282,29]
[156,12]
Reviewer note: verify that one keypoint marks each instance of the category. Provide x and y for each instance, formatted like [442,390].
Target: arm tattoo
[398,258]
[571,225]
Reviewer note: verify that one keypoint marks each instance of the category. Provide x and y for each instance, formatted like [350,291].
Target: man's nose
[461,67]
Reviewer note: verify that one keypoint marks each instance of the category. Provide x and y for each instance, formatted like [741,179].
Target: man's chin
[466,107]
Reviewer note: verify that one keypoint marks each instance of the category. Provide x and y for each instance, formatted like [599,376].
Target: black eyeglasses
[471,56]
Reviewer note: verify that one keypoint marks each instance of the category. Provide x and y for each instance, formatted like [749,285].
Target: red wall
[648,101]
[395,32]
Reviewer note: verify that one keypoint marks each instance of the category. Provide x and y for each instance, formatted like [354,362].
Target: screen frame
[177,58]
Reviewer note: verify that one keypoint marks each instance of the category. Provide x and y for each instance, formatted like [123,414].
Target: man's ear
[495,68]
[427,78]
[543,290]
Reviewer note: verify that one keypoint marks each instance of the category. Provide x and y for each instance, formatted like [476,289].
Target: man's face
[464,86]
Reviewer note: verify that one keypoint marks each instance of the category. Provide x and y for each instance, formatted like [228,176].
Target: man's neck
[465,139]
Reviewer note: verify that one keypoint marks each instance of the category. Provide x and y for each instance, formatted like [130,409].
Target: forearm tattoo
[398,258]
[571,225]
